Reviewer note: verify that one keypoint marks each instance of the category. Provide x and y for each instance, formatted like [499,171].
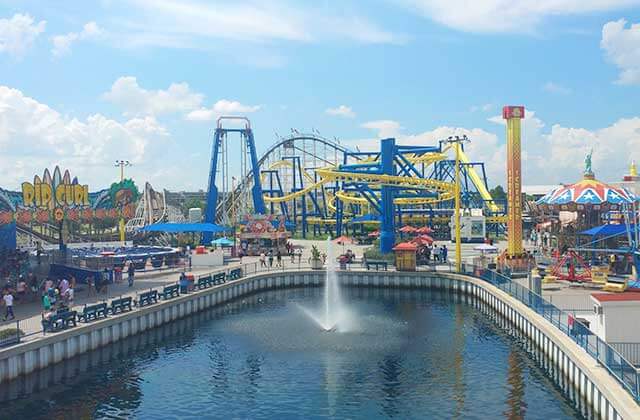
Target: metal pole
[457,211]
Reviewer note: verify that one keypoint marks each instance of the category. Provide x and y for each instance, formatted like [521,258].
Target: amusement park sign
[43,195]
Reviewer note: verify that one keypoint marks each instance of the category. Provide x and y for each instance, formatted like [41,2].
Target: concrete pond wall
[594,391]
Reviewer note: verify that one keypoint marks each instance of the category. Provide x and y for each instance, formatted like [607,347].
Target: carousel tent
[587,193]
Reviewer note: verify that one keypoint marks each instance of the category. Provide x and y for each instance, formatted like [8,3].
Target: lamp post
[455,142]
[122,164]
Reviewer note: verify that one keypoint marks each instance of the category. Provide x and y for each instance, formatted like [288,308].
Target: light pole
[455,141]
[122,164]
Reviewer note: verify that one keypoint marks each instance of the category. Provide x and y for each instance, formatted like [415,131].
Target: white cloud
[549,155]
[507,15]
[194,24]
[221,107]
[383,128]
[135,100]
[341,111]
[552,87]
[622,48]
[19,33]
[62,43]
[34,136]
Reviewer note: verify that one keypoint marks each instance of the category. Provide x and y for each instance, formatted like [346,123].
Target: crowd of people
[270,257]
[433,252]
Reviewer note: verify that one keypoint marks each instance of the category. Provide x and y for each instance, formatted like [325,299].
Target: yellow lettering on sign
[60,193]
[28,194]
[45,195]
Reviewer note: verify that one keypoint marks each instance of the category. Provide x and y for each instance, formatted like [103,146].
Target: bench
[169,292]
[204,282]
[59,321]
[147,298]
[120,305]
[377,264]
[93,312]
[235,274]
[219,278]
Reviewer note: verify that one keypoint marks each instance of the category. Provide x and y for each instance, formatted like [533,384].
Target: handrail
[605,354]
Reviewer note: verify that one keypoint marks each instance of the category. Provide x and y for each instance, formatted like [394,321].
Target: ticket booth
[405,256]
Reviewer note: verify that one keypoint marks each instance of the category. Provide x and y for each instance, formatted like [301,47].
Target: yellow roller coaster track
[348,198]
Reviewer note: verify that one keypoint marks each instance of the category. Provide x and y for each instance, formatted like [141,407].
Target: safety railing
[606,355]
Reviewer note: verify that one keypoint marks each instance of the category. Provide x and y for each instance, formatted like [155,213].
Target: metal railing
[605,354]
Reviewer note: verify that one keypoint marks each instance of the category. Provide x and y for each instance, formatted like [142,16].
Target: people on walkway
[263,260]
[278,259]
[443,253]
[270,258]
[130,273]
[8,303]
[436,254]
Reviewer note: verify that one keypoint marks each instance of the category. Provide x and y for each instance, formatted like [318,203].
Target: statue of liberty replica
[588,171]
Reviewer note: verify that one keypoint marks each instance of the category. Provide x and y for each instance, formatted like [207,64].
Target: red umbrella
[426,238]
[407,229]
[374,234]
[344,240]
[424,230]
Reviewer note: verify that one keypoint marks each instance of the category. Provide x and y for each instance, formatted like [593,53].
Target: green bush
[10,332]
[315,252]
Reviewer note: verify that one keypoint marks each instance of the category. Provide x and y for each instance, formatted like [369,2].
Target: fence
[606,354]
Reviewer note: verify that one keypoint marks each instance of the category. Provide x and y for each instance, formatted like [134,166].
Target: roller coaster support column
[212,196]
[387,231]
[256,190]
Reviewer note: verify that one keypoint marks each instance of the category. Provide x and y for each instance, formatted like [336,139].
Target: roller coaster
[321,186]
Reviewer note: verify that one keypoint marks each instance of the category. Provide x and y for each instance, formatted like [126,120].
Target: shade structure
[407,229]
[344,240]
[185,228]
[486,248]
[225,242]
[608,230]
[424,230]
[426,238]
[587,194]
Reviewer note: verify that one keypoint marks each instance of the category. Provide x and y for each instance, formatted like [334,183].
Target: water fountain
[336,316]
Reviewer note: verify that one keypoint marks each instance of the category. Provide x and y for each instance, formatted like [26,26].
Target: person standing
[46,302]
[436,254]
[278,259]
[270,258]
[8,302]
[63,286]
[445,253]
[130,273]
[263,259]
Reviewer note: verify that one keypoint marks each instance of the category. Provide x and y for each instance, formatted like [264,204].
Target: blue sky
[85,83]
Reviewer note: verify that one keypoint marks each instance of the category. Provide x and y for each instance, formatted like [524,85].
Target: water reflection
[419,353]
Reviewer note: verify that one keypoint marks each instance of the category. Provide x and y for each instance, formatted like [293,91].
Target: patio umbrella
[224,242]
[426,238]
[407,229]
[424,230]
[485,248]
[344,240]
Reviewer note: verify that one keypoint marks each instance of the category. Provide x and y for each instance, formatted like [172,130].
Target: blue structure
[256,190]
[8,236]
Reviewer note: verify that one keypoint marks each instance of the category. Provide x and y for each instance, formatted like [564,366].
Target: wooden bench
[147,298]
[120,305]
[219,278]
[59,321]
[377,264]
[235,274]
[93,312]
[169,292]
[204,282]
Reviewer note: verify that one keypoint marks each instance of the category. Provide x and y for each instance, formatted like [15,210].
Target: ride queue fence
[621,369]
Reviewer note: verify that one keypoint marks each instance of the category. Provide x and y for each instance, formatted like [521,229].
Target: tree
[193,203]
[498,193]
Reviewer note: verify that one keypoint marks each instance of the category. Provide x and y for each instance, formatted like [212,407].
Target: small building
[405,256]
[616,322]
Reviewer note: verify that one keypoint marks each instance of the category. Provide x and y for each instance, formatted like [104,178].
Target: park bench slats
[93,312]
[120,305]
[169,292]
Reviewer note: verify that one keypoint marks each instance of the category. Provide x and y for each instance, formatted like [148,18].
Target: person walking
[436,254]
[278,259]
[46,302]
[445,252]
[263,260]
[270,258]
[8,303]
[131,270]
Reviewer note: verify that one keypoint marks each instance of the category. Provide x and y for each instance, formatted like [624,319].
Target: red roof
[406,246]
[621,297]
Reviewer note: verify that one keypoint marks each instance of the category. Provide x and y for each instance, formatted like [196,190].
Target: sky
[84,83]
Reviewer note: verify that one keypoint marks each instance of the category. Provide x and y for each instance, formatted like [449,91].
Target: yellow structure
[599,275]
[513,115]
